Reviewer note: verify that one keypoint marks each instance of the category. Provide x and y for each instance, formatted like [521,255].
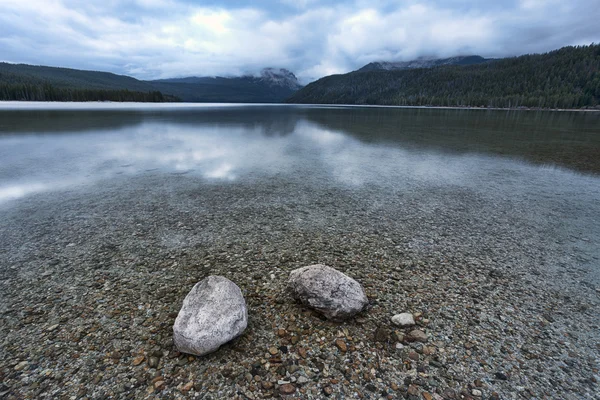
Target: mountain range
[564,78]
[29,82]
[270,86]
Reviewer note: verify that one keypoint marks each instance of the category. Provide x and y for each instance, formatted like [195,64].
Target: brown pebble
[138,360]
[341,345]
[302,352]
[267,385]
[287,388]
[413,390]
[160,385]
[328,390]
[413,355]
[394,386]
[427,396]
[281,332]
[416,335]
[188,386]
[273,351]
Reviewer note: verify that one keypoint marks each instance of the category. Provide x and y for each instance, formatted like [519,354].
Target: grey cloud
[164,38]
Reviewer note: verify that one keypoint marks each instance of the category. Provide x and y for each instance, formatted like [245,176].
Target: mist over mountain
[272,85]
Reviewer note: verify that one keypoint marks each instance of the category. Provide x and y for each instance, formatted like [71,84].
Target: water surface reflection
[56,149]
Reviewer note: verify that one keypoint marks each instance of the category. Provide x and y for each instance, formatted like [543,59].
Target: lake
[458,214]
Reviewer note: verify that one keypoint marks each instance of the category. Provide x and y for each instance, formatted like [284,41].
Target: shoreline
[34,104]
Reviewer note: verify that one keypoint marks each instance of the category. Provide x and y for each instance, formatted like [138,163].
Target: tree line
[48,92]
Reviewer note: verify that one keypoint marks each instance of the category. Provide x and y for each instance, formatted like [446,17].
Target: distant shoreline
[132,105]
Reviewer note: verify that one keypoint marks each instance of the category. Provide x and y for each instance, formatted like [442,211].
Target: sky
[151,39]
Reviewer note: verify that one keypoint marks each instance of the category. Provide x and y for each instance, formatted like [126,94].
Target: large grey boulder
[327,290]
[213,313]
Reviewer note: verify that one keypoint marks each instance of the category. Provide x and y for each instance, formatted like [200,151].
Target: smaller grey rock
[403,320]
[213,313]
[328,291]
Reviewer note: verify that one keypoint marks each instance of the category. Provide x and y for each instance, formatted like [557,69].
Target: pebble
[328,390]
[20,366]
[341,344]
[138,360]
[501,375]
[403,320]
[476,393]
[382,334]
[287,389]
[267,385]
[153,362]
[416,335]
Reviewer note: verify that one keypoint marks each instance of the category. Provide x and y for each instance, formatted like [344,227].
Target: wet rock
[213,313]
[20,366]
[340,344]
[287,389]
[381,334]
[153,362]
[267,385]
[416,335]
[501,375]
[138,360]
[328,291]
[403,320]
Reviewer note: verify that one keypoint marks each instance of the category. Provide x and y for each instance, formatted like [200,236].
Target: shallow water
[545,160]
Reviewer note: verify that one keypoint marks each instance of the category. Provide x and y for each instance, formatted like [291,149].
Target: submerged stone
[328,291]
[213,313]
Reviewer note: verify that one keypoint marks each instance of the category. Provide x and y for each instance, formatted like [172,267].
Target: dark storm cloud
[163,38]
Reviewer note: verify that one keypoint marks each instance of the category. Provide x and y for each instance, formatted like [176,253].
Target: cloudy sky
[171,38]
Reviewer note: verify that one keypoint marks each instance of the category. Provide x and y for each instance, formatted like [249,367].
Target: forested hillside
[564,78]
[35,83]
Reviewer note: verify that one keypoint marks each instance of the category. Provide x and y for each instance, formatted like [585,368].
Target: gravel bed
[92,280]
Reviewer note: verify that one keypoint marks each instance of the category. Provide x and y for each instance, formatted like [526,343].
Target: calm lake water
[546,161]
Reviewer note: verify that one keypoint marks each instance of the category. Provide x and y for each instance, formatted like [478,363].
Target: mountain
[271,86]
[30,82]
[564,78]
[424,63]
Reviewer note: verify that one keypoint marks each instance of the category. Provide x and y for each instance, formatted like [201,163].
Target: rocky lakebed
[499,287]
